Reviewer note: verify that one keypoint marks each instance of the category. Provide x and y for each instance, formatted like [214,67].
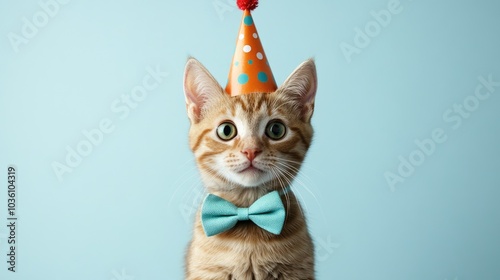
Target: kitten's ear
[300,88]
[199,85]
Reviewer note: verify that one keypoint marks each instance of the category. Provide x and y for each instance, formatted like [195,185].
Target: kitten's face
[249,140]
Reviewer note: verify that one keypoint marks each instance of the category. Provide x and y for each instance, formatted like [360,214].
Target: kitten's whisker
[192,189]
[280,171]
[296,170]
[185,179]
[303,201]
[300,164]
[288,176]
[286,194]
[283,188]
[299,181]
[291,172]
[190,194]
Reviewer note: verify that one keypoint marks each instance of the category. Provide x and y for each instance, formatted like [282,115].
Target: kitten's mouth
[251,175]
[251,169]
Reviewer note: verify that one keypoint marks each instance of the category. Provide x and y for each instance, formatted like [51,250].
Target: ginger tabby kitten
[245,147]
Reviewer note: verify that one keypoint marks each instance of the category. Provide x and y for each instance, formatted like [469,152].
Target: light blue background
[127,209]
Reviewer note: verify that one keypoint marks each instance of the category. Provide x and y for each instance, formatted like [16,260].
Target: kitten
[245,147]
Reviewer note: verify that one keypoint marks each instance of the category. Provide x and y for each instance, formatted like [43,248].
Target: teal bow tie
[219,215]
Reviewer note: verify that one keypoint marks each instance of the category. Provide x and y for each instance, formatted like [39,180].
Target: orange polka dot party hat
[250,71]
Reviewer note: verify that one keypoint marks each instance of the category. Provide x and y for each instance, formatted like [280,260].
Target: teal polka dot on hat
[248,20]
[250,61]
[262,77]
[243,79]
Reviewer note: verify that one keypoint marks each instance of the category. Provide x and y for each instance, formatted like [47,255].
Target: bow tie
[219,215]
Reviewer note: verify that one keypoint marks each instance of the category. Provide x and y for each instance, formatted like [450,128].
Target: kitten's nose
[251,153]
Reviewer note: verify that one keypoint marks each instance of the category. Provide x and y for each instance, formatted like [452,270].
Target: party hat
[250,71]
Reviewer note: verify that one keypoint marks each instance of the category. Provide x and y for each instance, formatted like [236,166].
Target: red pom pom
[247,4]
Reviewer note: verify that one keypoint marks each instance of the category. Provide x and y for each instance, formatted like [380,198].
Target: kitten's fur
[247,252]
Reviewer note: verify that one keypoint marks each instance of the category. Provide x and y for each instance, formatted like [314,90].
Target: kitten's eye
[275,130]
[226,131]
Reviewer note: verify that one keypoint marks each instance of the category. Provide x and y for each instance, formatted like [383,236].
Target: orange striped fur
[248,252]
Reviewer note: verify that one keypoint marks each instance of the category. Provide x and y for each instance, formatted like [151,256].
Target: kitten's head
[252,140]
